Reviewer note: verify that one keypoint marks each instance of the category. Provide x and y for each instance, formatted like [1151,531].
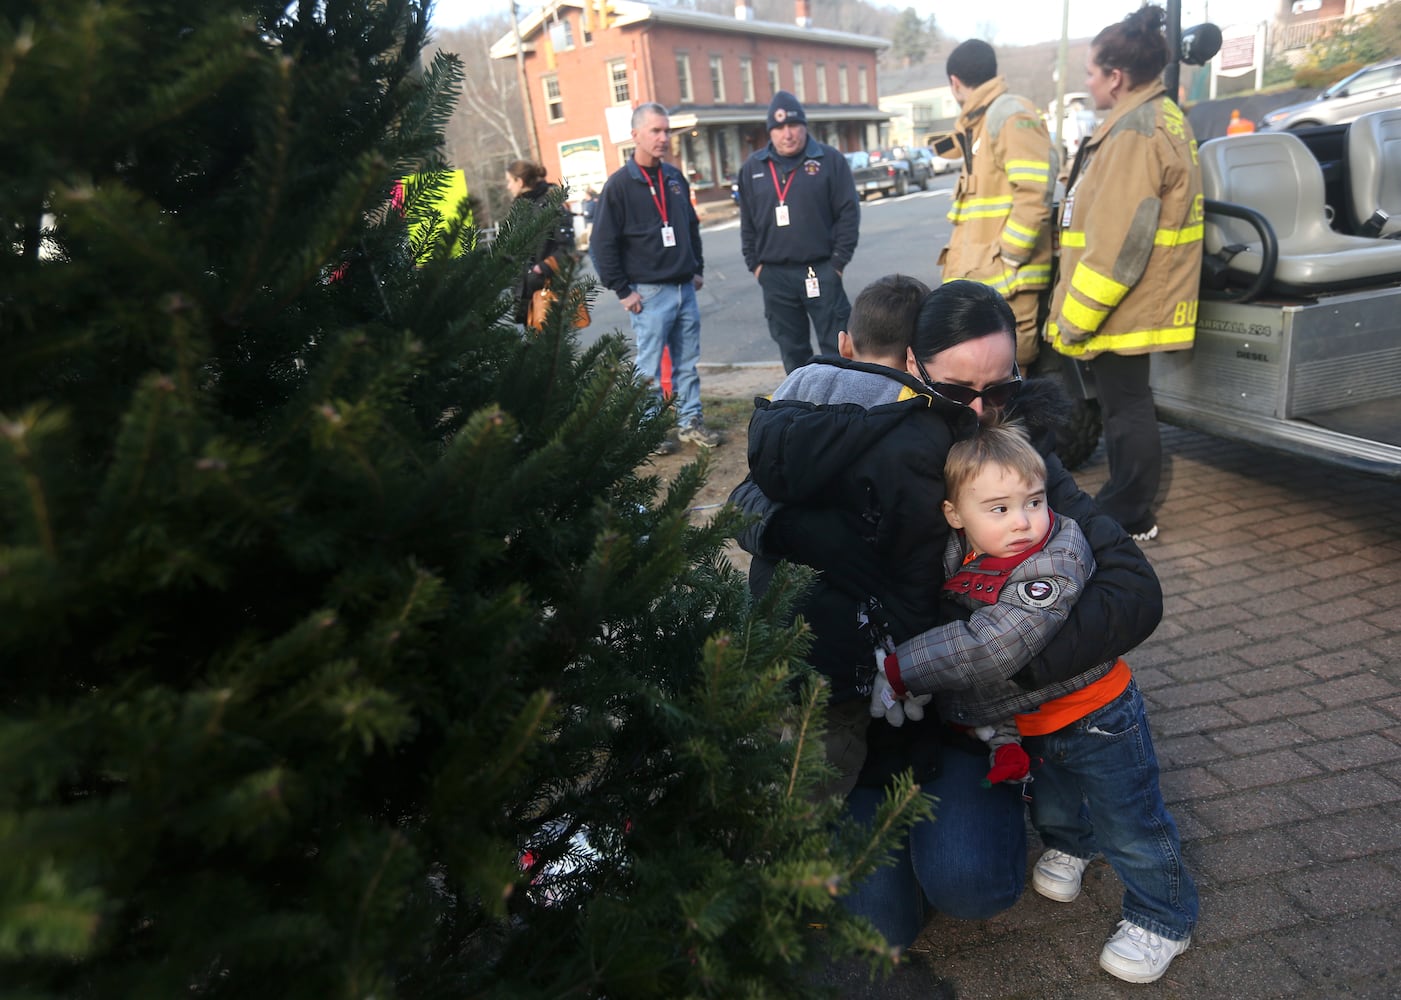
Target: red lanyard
[782,195]
[659,202]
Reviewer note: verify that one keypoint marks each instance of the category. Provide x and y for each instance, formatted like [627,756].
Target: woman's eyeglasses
[995,396]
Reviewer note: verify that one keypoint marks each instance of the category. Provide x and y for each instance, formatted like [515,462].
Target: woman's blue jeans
[969,863]
[1097,791]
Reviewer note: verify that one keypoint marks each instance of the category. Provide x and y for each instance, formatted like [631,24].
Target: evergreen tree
[343,650]
[910,39]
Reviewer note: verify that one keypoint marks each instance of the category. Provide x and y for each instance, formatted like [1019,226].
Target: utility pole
[525,86]
[1062,68]
[1174,32]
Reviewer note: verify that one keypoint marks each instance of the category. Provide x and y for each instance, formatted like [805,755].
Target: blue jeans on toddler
[970,863]
[670,318]
[1097,791]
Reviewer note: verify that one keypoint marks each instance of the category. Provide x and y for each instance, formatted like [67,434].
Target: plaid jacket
[970,662]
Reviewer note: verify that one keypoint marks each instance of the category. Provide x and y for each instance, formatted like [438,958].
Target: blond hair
[1001,442]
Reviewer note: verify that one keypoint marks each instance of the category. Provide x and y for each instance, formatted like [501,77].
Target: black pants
[787,308]
[1131,441]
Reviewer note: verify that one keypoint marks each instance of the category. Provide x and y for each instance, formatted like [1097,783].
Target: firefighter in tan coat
[1130,232]
[1001,211]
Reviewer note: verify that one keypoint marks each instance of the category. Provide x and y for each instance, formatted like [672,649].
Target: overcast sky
[1011,22]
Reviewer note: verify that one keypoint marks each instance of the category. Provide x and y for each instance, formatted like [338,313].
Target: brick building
[588,63]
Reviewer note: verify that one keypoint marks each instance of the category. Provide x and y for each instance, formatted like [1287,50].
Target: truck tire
[1078,438]
[1077,441]
[902,186]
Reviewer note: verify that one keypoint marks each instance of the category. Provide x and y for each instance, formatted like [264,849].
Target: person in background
[799,221]
[1001,209]
[1130,254]
[588,208]
[525,182]
[646,247]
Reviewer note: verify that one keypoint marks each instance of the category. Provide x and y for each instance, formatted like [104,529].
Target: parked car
[1372,88]
[892,177]
[921,169]
[937,164]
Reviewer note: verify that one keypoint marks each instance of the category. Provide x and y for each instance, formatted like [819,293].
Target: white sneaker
[698,434]
[1137,955]
[1057,875]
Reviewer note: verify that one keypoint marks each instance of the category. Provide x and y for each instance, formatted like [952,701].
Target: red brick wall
[650,51]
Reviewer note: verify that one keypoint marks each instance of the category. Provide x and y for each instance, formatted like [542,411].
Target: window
[821,83]
[773,77]
[683,76]
[554,103]
[800,90]
[746,78]
[618,81]
[561,35]
[862,93]
[717,78]
[843,87]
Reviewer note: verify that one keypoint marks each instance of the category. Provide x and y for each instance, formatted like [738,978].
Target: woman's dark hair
[526,172]
[957,312]
[1137,46]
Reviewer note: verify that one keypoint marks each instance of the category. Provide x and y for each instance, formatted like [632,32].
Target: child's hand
[1010,763]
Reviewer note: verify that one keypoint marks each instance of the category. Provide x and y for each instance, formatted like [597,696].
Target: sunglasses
[995,396]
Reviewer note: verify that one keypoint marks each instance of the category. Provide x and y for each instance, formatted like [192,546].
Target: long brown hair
[1137,46]
[526,172]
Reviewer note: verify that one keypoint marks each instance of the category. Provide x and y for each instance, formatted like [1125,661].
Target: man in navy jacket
[799,221]
[646,247]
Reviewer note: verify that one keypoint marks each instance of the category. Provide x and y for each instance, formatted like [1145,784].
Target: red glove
[1010,763]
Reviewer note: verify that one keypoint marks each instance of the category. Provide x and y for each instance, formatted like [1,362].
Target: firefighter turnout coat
[1001,210]
[1130,234]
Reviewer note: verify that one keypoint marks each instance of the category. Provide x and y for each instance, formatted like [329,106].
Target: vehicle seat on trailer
[1275,174]
[1374,169]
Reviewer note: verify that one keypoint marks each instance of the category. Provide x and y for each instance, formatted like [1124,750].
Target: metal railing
[1301,36]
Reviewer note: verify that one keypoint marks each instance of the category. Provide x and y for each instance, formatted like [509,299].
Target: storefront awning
[751,115]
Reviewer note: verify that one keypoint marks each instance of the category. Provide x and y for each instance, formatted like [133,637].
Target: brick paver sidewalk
[1274,694]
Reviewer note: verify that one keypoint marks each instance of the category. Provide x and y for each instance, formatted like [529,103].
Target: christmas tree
[344,650]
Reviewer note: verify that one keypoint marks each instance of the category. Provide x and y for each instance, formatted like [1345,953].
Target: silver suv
[1372,88]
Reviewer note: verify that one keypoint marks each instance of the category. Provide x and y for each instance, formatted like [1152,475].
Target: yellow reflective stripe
[1029,176]
[1022,230]
[1029,164]
[990,212]
[1072,238]
[1003,203]
[1177,237]
[1133,341]
[1093,285]
[1018,235]
[1082,315]
[1033,276]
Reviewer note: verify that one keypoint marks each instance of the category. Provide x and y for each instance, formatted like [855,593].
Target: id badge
[668,236]
[1066,212]
[814,292]
[780,214]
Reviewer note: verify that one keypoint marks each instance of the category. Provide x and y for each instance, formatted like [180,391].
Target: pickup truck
[889,176]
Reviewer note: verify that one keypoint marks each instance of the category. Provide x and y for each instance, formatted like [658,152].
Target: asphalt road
[897,235]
